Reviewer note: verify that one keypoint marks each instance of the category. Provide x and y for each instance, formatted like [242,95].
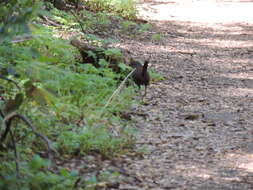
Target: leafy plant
[61,96]
[124,8]
[113,53]
[156,37]
[15,16]
[144,27]
[156,76]
[127,24]
[35,176]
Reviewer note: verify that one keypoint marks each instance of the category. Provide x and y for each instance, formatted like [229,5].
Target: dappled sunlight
[228,64]
[247,166]
[194,171]
[236,92]
[220,41]
[160,101]
[223,43]
[215,173]
[241,160]
[243,75]
[207,64]
[199,11]
[161,48]
[239,164]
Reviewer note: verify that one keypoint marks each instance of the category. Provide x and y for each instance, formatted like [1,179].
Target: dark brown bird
[140,75]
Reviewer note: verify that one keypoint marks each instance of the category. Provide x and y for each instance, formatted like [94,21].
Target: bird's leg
[145,90]
[139,89]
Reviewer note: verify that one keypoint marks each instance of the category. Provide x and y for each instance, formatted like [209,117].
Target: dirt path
[198,123]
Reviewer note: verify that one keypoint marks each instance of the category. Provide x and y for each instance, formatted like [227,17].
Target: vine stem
[116,92]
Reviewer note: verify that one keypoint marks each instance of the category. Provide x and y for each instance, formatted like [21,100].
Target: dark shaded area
[92,55]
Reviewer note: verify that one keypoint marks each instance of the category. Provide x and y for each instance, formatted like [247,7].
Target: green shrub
[124,8]
[63,98]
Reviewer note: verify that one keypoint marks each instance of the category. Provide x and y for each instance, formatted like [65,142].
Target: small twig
[51,22]
[7,124]
[116,91]
[9,80]
[22,39]
[16,157]
[77,183]
[79,22]
[1,114]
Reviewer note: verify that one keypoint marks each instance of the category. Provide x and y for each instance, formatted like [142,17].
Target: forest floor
[196,125]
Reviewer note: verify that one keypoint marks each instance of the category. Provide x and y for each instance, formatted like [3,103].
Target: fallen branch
[48,21]
[7,125]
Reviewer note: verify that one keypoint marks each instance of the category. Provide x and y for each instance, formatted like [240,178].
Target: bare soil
[196,125]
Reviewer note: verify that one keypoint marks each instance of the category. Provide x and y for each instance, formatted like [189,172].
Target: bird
[140,75]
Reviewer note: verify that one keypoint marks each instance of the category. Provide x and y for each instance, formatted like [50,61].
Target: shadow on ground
[209,75]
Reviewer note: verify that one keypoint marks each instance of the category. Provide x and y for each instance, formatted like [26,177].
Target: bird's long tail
[145,67]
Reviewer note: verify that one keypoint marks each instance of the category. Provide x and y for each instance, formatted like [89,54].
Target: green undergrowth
[63,98]
[124,8]
[97,23]
[68,97]
[66,104]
